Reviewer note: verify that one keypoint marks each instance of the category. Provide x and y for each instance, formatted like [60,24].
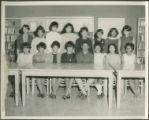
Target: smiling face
[54,28]
[126,33]
[40,33]
[129,49]
[113,33]
[68,29]
[112,49]
[99,35]
[55,49]
[84,33]
[25,30]
[85,47]
[97,49]
[26,50]
[69,49]
[41,49]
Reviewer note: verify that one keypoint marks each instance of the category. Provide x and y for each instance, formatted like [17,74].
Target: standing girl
[83,37]
[23,37]
[39,37]
[128,62]
[53,35]
[112,38]
[98,38]
[40,57]
[68,57]
[126,38]
[68,34]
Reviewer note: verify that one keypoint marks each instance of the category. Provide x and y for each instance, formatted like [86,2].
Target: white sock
[99,89]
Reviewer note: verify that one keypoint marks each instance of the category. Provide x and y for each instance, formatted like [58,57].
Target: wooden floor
[92,106]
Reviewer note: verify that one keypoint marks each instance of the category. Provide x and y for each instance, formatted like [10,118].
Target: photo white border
[45,3]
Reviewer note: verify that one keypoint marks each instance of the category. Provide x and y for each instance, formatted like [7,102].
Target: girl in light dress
[128,62]
[99,61]
[52,36]
[39,37]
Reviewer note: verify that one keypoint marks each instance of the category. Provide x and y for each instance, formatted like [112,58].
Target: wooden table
[13,70]
[138,72]
[67,70]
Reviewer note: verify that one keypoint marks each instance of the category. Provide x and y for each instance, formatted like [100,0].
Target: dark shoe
[53,96]
[84,96]
[42,95]
[65,97]
[80,94]
[11,94]
[100,96]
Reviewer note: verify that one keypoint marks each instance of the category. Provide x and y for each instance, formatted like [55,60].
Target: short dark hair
[81,30]
[42,45]
[54,23]
[37,29]
[69,44]
[110,31]
[26,45]
[55,43]
[115,46]
[97,31]
[68,24]
[21,30]
[98,44]
[127,28]
[129,44]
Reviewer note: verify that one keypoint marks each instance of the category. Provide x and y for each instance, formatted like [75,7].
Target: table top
[138,67]
[64,66]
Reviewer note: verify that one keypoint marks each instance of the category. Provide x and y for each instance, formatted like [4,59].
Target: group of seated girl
[69,48]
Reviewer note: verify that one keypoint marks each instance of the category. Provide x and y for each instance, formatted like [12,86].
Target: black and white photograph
[74,60]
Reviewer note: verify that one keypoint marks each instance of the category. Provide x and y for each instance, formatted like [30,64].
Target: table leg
[105,87]
[23,88]
[17,88]
[118,90]
[110,90]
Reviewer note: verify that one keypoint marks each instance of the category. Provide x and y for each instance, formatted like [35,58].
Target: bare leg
[133,85]
[80,83]
[40,84]
[69,82]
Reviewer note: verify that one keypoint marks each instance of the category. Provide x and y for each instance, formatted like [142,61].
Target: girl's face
[54,28]
[112,49]
[40,33]
[26,50]
[70,49]
[99,35]
[97,49]
[41,49]
[25,30]
[113,33]
[68,29]
[85,47]
[55,48]
[126,33]
[129,49]
[84,33]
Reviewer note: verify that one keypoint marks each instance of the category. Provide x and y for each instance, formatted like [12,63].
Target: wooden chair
[126,85]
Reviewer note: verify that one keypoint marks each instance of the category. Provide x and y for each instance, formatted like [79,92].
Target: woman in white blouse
[53,35]
[68,35]
[39,37]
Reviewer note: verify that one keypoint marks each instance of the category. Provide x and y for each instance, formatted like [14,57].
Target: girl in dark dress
[68,57]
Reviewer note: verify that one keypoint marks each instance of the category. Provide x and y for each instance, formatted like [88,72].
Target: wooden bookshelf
[141,41]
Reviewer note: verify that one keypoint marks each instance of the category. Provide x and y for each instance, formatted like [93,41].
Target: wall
[130,13]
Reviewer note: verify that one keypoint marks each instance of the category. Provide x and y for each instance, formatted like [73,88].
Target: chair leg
[141,87]
[125,87]
[28,86]
[33,86]
[50,85]
[105,87]
[47,84]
